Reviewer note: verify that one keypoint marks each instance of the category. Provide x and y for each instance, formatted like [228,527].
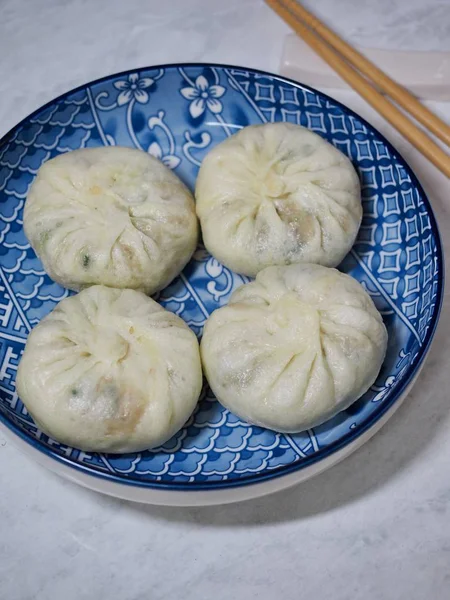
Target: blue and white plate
[178,113]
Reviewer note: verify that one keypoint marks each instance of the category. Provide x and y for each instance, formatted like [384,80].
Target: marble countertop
[376,526]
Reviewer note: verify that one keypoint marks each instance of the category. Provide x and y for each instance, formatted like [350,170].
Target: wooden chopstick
[382,81]
[389,111]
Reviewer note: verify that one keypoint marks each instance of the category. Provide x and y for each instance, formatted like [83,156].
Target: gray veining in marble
[375,527]
[389,24]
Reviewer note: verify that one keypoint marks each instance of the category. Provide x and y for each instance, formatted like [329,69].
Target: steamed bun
[277,194]
[112,216]
[110,370]
[294,347]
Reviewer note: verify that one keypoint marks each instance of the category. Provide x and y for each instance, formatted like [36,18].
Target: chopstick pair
[349,63]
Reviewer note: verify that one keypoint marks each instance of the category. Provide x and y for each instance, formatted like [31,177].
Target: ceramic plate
[178,113]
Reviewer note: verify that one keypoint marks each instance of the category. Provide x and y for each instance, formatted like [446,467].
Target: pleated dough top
[277,194]
[294,347]
[112,216]
[110,370]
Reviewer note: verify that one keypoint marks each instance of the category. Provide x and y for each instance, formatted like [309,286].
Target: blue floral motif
[397,257]
[155,149]
[203,96]
[134,87]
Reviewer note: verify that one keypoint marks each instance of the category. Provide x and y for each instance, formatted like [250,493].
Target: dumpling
[277,194]
[112,216]
[294,347]
[110,370]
